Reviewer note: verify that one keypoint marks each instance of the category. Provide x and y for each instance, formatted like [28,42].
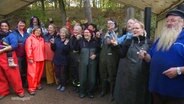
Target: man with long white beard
[166,58]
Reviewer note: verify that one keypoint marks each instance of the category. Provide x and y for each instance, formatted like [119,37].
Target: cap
[179,11]
[175,12]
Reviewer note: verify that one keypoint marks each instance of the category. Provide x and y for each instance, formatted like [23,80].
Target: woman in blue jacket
[60,47]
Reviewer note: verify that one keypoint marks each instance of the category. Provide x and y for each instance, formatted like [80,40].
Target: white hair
[168,37]
[78,27]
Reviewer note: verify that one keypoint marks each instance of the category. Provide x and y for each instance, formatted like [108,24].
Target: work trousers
[9,76]
[50,74]
[34,74]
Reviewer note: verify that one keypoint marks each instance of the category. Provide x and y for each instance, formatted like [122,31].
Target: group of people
[151,72]
[129,67]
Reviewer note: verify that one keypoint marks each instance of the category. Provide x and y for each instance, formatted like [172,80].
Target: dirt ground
[49,95]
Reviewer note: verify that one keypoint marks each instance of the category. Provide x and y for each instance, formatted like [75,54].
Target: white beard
[168,37]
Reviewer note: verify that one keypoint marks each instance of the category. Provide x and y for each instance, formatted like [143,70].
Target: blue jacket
[47,37]
[21,39]
[163,60]
[11,40]
[61,52]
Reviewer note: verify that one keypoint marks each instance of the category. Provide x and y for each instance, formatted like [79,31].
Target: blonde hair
[133,19]
[65,30]
[142,27]
[53,25]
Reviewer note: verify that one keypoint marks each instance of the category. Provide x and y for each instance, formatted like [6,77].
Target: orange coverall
[34,47]
[9,76]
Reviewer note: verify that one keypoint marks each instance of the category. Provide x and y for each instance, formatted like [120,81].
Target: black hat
[181,7]
[179,11]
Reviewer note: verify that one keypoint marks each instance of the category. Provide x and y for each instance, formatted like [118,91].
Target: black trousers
[160,99]
[60,71]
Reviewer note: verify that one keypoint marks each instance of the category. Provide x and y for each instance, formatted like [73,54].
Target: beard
[168,37]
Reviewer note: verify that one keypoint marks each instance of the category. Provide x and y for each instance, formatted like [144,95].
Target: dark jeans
[74,67]
[160,99]
[22,65]
[23,69]
[60,71]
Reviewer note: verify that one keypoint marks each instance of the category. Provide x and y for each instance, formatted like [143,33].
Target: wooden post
[147,20]
[130,13]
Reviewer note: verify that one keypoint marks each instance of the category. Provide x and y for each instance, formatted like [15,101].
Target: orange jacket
[34,47]
[48,52]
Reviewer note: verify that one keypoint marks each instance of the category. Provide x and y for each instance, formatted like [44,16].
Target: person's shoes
[102,94]
[58,87]
[40,87]
[82,95]
[91,96]
[32,92]
[62,89]
[1,97]
[21,95]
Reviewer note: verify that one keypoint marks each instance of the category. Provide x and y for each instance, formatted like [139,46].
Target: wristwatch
[178,69]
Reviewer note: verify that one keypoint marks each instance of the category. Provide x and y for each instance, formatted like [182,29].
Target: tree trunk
[80,4]
[103,4]
[69,3]
[63,11]
[43,7]
[141,16]
[87,10]
[130,13]
[94,4]
[55,4]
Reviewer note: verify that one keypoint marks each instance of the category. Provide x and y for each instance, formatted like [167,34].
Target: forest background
[94,11]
